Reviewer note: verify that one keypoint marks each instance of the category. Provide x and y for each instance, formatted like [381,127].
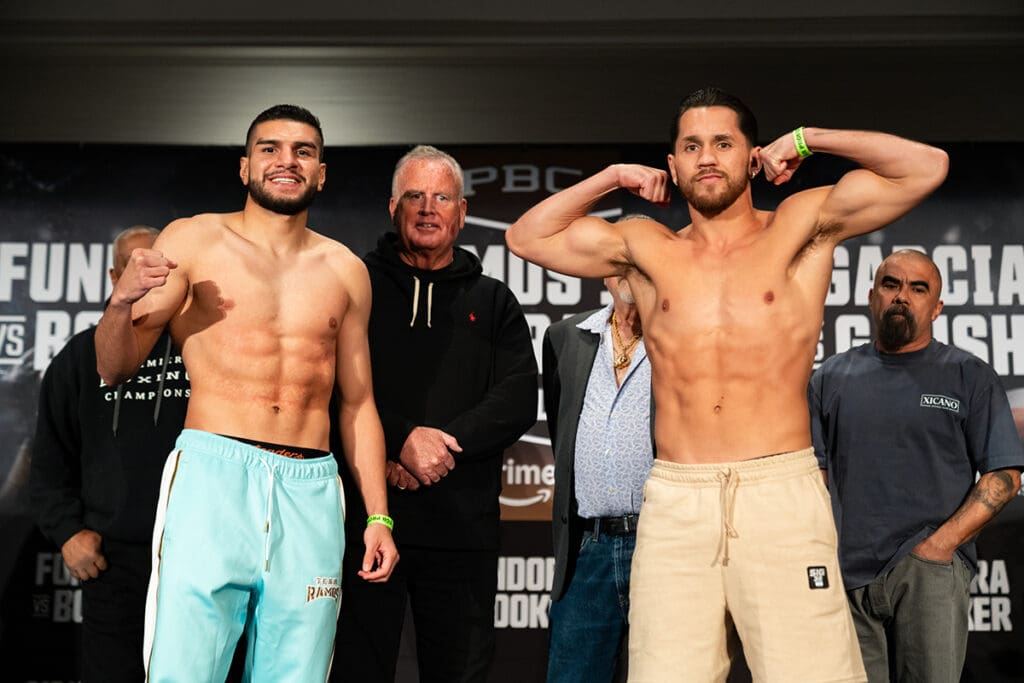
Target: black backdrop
[61,204]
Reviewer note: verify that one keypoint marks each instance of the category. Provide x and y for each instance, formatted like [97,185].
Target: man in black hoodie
[95,479]
[455,380]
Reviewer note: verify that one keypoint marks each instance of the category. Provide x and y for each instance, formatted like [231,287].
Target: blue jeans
[590,621]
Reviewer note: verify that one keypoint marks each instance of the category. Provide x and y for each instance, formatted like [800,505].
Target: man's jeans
[589,623]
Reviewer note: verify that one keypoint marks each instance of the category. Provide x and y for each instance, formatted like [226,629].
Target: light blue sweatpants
[244,540]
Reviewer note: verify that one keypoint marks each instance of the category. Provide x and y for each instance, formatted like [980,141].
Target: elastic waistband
[208,444]
[779,466]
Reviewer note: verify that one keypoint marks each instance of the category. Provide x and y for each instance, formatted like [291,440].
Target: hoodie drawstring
[160,384]
[159,391]
[416,301]
[430,302]
[117,405]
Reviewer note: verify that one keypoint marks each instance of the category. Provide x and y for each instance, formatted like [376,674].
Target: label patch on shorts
[325,587]
[817,577]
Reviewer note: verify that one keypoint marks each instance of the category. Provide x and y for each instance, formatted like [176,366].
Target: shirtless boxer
[269,315]
[736,533]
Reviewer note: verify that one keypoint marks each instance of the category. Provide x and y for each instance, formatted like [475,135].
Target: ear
[462,213]
[392,205]
[323,176]
[113,277]
[672,169]
[937,310]
[755,161]
[243,170]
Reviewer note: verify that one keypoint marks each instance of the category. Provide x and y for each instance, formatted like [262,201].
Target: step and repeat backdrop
[60,206]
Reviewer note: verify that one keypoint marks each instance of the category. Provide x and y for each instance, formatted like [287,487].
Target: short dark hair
[286,112]
[711,96]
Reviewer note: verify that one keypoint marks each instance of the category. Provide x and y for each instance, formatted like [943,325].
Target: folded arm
[509,406]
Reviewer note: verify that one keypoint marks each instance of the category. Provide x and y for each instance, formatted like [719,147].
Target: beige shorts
[744,547]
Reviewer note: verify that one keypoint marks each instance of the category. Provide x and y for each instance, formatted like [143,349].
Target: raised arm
[896,174]
[361,435]
[145,297]
[557,233]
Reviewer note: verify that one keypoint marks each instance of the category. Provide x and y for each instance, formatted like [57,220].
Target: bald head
[135,237]
[912,255]
[905,301]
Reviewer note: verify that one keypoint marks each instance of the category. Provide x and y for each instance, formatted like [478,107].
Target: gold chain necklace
[621,356]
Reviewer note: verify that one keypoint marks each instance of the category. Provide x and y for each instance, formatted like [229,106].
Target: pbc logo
[325,587]
[940,401]
[817,577]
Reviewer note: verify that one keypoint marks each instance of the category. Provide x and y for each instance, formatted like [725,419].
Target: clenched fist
[645,182]
[146,270]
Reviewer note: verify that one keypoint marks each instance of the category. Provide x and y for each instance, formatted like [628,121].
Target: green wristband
[801,144]
[381,519]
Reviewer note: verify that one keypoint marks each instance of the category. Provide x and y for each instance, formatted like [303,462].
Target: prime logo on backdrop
[498,192]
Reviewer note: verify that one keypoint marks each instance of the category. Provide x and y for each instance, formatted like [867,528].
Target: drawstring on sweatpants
[271,468]
[726,497]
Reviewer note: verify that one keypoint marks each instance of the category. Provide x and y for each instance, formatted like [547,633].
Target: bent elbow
[110,376]
[938,166]
[514,241]
[523,244]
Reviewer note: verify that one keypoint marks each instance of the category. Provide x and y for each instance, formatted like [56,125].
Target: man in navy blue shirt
[902,425]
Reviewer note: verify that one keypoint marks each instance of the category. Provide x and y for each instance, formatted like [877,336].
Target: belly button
[277,409]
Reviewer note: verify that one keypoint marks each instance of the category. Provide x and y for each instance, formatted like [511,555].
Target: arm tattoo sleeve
[993,490]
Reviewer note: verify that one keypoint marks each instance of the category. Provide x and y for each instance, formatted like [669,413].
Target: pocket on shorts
[827,524]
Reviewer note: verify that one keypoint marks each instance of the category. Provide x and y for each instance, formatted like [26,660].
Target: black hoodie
[450,349]
[99,451]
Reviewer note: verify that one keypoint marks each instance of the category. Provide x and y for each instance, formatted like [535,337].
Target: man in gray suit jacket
[597,394]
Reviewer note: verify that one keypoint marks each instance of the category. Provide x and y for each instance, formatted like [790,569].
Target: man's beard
[711,206]
[896,328]
[281,205]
